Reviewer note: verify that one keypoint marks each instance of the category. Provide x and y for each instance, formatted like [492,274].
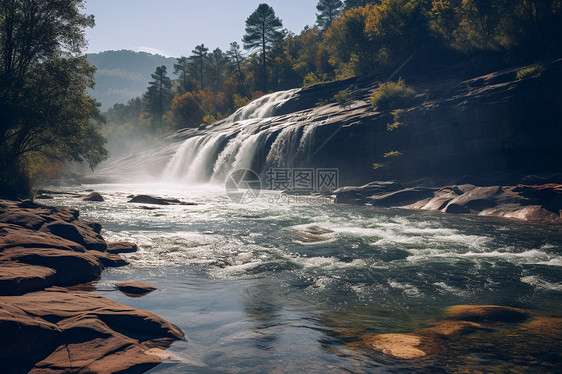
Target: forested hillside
[122,75]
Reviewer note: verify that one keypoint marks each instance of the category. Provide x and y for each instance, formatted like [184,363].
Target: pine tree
[158,96]
[199,54]
[235,56]
[181,69]
[329,11]
[263,30]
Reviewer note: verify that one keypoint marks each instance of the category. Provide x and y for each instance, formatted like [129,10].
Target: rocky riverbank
[524,202]
[49,322]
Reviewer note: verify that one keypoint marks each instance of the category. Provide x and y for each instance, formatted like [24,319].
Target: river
[285,284]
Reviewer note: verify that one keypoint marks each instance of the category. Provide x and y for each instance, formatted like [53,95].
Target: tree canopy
[263,29]
[328,12]
[45,113]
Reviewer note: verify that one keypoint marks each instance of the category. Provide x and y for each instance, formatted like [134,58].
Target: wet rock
[547,327]
[78,232]
[147,199]
[82,332]
[109,260]
[17,278]
[404,346]
[402,197]
[482,313]
[71,267]
[478,199]
[44,197]
[93,196]
[134,288]
[22,217]
[359,195]
[16,236]
[121,247]
[452,328]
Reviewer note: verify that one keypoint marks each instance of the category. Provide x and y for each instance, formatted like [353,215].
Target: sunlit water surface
[278,286]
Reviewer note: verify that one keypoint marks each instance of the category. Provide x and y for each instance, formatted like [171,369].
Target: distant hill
[123,75]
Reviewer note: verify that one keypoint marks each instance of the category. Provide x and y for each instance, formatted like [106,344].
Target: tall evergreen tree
[158,96]
[217,63]
[181,69]
[235,56]
[263,30]
[199,54]
[328,11]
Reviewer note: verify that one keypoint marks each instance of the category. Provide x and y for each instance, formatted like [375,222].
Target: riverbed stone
[483,313]
[134,288]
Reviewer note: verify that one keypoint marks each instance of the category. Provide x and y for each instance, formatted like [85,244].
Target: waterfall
[252,137]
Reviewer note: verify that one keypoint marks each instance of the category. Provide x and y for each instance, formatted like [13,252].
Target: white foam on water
[407,288]
[539,283]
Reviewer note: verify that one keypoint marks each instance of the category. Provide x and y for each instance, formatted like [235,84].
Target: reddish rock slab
[71,267]
[479,313]
[135,289]
[78,232]
[110,260]
[17,279]
[121,247]
[17,236]
[57,331]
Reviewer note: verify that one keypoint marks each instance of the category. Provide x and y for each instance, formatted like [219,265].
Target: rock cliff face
[492,129]
[489,130]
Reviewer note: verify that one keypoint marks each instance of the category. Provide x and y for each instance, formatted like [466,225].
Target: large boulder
[71,267]
[17,278]
[94,196]
[80,332]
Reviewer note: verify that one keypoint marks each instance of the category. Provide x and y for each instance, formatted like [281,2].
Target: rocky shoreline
[541,203]
[49,324]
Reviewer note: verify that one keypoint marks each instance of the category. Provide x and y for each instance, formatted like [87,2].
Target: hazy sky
[174,27]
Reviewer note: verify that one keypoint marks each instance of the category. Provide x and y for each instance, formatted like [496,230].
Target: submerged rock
[148,199]
[93,196]
[134,288]
[478,313]
[404,346]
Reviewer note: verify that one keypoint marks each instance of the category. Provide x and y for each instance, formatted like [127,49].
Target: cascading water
[251,134]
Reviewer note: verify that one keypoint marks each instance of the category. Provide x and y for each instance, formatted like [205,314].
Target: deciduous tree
[45,112]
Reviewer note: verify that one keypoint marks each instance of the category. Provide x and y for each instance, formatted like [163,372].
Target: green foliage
[529,72]
[311,79]
[392,154]
[392,95]
[198,56]
[158,98]
[263,30]
[46,117]
[328,11]
[397,115]
[342,98]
